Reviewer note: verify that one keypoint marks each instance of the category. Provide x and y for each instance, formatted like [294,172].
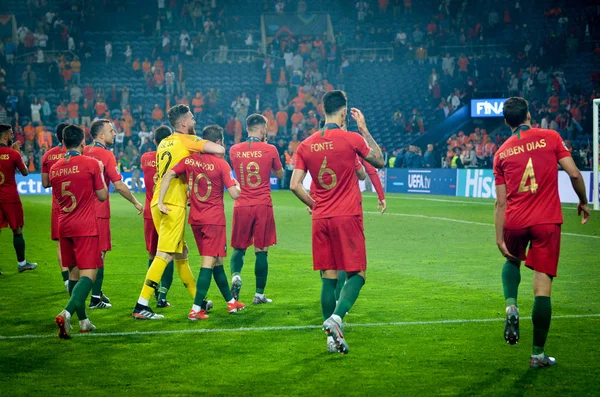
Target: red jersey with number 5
[10,162]
[330,157]
[148,161]
[74,183]
[527,165]
[252,163]
[111,174]
[207,176]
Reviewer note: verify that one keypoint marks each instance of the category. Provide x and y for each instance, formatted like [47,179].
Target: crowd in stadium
[298,70]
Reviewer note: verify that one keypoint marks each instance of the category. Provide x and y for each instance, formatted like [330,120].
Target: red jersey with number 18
[252,162]
[207,176]
[330,157]
[527,164]
[10,162]
[148,161]
[74,183]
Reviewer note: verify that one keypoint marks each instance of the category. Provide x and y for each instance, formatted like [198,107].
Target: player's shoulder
[236,147]
[148,155]
[542,132]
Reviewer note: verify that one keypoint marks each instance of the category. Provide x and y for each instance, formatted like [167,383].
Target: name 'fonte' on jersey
[511,151]
[317,147]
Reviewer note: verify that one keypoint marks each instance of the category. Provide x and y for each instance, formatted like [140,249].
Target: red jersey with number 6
[330,157]
[74,183]
[148,161]
[10,162]
[207,176]
[527,164]
[252,163]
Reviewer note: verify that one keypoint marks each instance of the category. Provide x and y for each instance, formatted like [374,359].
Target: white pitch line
[285,328]
[438,218]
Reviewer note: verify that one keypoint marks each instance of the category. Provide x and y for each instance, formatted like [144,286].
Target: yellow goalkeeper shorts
[170,229]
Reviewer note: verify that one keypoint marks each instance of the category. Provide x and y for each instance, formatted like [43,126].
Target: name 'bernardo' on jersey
[65,171]
[249,155]
[511,151]
[200,164]
[317,147]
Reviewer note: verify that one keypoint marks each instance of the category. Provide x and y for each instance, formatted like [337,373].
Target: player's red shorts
[104,234]
[253,225]
[11,215]
[339,244]
[211,240]
[544,246]
[83,252]
[54,225]
[151,236]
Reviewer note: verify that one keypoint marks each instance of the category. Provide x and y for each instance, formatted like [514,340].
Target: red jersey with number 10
[10,162]
[527,164]
[148,161]
[50,158]
[207,176]
[330,157]
[74,183]
[252,163]
[111,174]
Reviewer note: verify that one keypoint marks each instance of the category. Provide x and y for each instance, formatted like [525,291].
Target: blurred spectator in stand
[431,158]
[46,110]
[157,114]
[29,77]
[108,52]
[61,112]
[36,108]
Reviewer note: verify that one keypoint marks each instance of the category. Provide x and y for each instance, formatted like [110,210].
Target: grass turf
[420,270]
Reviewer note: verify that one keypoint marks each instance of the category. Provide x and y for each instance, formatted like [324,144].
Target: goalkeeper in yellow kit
[171,225]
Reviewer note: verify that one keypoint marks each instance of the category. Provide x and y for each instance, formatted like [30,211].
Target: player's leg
[54,235]
[264,236]
[13,213]
[97,301]
[202,285]
[151,238]
[233,306]
[182,266]
[241,238]
[341,280]
[261,271]
[516,242]
[165,284]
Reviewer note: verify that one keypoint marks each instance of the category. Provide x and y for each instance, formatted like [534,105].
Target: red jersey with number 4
[207,176]
[252,162]
[330,158]
[50,158]
[10,162]
[111,174]
[148,161]
[74,183]
[527,165]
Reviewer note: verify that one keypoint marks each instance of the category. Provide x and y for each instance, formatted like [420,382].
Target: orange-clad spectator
[159,77]
[136,66]
[31,166]
[554,102]
[29,131]
[127,119]
[100,108]
[272,128]
[463,64]
[489,147]
[310,98]
[159,64]
[62,63]
[67,74]
[268,113]
[61,111]
[480,149]
[450,154]
[462,138]
[294,143]
[44,139]
[320,108]
[73,112]
[327,85]
[297,117]
[407,6]
[40,129]
[230,126]
[475,135]
[576,113]
[126,127]
[76,69]
[269,77]
[282,119]
[146,66]
[237,131]
[303,46]
[198,102]
[183,100]
[453,142]
[312,119]
[282,76]
[157,113]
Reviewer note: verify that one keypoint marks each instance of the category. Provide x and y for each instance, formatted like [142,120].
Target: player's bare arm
[102,194]
[382,205]
[279,173]
[499,212]
[375,156]
[126,193]
[235,191]
[164,187]
[578,184]
[297,187]
[361,173]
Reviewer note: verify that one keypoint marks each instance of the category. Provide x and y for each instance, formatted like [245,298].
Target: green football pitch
[429,320]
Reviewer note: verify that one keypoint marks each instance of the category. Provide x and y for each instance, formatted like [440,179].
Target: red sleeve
[227,175]
[560,148]
[19,161]
[111,168]
[498,172]
[357,163]
[45,169]
[360,145]
[300,165]
[375,180]
[179,168]
[276,161]
[97,180]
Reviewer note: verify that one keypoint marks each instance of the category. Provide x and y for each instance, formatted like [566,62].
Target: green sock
[72,284]
[349,294]
[202,285]
[221,281]
[150,263]
[166,281]
[80,310]
[341,280]
[97,287]
[65,275]
[237,261]
[19,244]
[261,271]
[511,278]
[328,296]
[79,295]
[541,316]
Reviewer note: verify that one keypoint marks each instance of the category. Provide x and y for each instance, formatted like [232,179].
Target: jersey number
[327,171]
[252,170]
[1,179]
[65,193]
[528,174]
[169,159]
[195,184]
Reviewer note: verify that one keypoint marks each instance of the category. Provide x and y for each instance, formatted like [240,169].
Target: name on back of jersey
[200,164]
[249,155]
[65,171]
[4,156]
[317,147]
[511,151]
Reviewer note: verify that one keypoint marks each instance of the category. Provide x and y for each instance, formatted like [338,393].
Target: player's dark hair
[72,136]
[212,133]
[96,127]
[255,120]
[176,112]
[5,128]
[59,131]
[161,133]
[515,111]
[333,101]
[322,123]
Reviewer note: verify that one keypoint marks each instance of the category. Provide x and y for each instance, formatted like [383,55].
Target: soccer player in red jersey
[338,238]
[528,213]
[148,161]
[103,134]
[50,158]
[11,209]
[77,184]
[253,219]
[208,176]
